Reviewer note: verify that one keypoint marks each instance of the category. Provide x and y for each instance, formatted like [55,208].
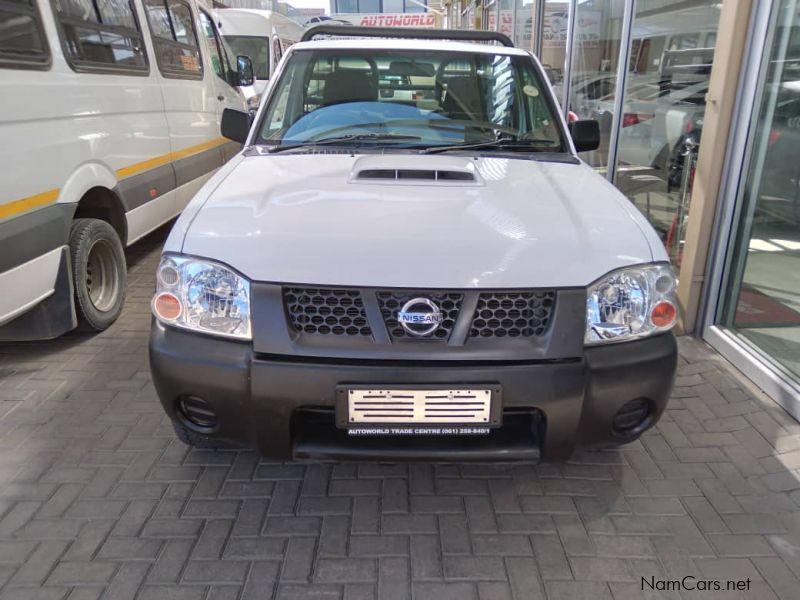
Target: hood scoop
[415,170]
[415,175]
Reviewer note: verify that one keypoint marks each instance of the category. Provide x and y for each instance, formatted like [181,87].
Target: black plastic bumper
[285,408]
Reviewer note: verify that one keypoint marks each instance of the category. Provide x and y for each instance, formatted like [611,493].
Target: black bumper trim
[315,437]
[256,399]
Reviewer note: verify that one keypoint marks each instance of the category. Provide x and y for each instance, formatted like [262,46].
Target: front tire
[99,273]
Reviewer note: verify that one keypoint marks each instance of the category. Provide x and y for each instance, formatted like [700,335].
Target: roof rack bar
[409,33]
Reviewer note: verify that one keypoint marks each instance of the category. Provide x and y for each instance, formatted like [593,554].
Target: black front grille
[512,314]
[326,311]
[341,312]
[391,302]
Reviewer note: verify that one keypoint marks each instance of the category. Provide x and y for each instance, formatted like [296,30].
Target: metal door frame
[773,379]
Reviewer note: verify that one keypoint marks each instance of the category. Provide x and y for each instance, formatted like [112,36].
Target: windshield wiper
[358,137]
[531,145]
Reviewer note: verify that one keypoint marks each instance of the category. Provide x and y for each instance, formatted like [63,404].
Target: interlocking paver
[99,500]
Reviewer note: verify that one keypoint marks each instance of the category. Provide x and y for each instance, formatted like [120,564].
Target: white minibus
[110,122]
[264,36]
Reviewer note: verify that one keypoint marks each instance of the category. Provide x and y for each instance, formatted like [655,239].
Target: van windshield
[256,47]
[410,98]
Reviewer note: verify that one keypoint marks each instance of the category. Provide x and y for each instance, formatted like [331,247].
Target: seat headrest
[463,99]
[349,86]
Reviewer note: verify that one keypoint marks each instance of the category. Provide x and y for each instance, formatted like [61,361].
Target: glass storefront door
[554,35]
[760,297]
[669,67]
[650,134]
[595,62]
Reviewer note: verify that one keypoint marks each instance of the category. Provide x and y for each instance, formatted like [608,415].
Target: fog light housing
[632,418]
[198,414]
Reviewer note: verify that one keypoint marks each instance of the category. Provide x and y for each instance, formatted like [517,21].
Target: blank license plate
[442,406]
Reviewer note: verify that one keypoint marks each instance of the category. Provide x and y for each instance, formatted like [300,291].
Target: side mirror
[244,70]
[585,135]
[235,125]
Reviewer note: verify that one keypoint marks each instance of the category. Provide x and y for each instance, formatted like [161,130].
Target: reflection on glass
[762,302]
[671,55]
[523,23]
[595,56]
[554,43]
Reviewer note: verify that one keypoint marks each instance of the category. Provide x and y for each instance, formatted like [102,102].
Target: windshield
[410,98]
[257,48]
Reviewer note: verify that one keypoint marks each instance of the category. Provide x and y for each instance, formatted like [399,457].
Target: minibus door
[226,80]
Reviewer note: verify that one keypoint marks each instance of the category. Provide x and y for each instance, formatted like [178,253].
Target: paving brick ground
[99,499]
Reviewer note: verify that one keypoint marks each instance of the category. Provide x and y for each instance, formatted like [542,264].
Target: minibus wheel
[99,273]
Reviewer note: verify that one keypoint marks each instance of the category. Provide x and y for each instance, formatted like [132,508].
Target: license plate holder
[450,397]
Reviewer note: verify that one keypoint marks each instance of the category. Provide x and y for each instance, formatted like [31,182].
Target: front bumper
[284,407]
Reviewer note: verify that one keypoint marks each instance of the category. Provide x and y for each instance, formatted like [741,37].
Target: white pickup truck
[433,275]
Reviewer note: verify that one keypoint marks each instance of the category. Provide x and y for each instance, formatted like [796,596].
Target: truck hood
[399,220]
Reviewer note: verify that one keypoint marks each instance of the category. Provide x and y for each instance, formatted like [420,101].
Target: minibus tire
[99,273]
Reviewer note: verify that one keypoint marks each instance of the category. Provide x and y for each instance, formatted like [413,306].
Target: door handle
[220,97]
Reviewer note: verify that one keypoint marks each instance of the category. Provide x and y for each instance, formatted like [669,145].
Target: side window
[174,38]
[101,35]
[279,106]
[23,43]
[219,60]
[277,53]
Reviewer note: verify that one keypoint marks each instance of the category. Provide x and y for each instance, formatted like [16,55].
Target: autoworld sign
[424,20]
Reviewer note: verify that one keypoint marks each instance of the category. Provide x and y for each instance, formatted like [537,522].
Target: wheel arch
[91,188]
[102,203]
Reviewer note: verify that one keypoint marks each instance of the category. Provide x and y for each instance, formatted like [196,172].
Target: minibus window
[219,58]
[175,39]
[101,36]
[23,43]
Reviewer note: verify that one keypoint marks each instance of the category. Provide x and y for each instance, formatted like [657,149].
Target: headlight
[631,303]
[202,295]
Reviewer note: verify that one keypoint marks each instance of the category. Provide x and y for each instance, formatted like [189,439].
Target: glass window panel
[159,19]
[182,23]
[78,9]
[257,48]
[594,69]
[470,94]
[369,6]
[20,36]
[178,59]
[347,6]
[175,38]
[213,44]
[516,21]
[662,112]
[554,40]
[277,52]
[393,6]
[95,45]
[413,7]
[762,300]
[117,12]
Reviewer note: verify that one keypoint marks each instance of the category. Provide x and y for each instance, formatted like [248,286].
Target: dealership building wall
[699,107]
